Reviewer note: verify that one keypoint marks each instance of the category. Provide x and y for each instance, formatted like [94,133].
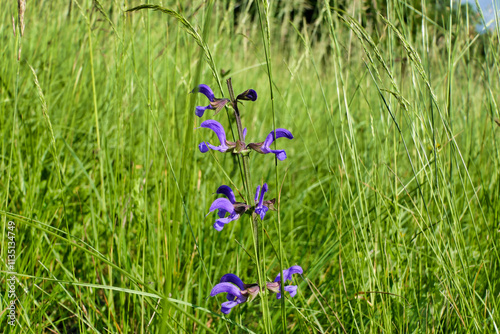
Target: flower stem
[254,219]
[246,170]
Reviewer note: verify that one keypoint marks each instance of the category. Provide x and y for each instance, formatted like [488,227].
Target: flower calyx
[218,104]
[251,291]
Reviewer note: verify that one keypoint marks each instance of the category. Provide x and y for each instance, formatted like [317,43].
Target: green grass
[390,195]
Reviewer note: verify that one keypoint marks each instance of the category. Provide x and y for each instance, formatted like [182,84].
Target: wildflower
[264,147]
[235,209]
[237,291]
[218,104]
[216,127]
[215,103]
[287,274]
[225,206]
[225,145]
[248,95]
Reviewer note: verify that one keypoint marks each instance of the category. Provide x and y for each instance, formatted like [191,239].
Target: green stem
[266,41]
[255,223]
[96,115]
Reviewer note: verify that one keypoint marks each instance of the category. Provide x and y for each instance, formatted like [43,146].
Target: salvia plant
[229,210]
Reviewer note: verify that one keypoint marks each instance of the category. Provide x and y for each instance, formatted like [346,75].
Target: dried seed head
[21,8]
[14,25]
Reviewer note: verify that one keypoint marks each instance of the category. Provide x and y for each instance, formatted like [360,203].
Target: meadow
[389,198]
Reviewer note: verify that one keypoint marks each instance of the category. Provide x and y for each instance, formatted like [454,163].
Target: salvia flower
[237,291]
[215,103]
[265,146]
[287,274]
[248,95]
[216,127]
[227,206]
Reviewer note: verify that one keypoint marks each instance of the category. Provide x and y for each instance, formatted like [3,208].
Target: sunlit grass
[389,196]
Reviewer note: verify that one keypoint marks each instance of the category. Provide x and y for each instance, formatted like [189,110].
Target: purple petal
[261,211]
[244,133]
[220,148]
[280,154]
[227,288]
[226,190]
[252,95]
[200,110]
[221,213]
[257,193]
[219,223]
[222,203]
[292,289]
[203,147]
[279,133]
[205,90]
[294,270]
[227,306]
[219,131]
[287,273]
[232,278]
[262,192]
[248,95]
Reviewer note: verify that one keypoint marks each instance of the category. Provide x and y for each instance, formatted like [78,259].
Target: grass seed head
[21,8]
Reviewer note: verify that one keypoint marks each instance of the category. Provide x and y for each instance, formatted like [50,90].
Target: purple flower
[216,127]
[237,291]
[264,147]
[260,208]
[287,273]
[227,206]
[215,103]
[248,95]
[234,296]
